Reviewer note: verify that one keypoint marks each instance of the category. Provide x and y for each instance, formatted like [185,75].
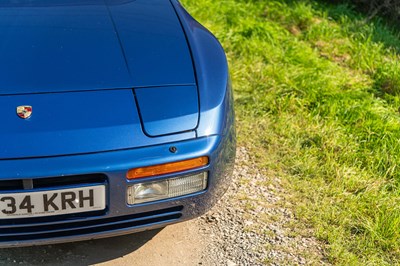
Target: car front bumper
[118,218]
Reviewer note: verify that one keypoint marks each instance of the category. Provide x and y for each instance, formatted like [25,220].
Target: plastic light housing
[167,168]
[167,188]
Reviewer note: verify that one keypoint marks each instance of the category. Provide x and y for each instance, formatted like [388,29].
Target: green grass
[317,96]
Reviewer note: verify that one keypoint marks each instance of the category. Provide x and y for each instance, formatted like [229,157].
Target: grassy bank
[317,99]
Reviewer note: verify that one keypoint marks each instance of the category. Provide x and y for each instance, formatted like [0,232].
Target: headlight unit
[166,188]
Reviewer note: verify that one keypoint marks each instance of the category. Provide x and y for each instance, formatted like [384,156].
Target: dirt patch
[174,245]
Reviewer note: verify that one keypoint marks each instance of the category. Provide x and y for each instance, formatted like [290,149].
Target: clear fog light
[167,188]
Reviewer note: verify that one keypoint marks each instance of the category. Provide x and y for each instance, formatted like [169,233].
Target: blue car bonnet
[53,46]
[85,68]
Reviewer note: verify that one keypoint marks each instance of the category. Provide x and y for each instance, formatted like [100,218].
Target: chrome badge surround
[24,111]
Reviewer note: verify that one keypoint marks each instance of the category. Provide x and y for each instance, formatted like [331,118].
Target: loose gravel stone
[251,226]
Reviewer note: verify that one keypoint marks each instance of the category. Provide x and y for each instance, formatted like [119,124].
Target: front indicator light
[167,188]
[167,168]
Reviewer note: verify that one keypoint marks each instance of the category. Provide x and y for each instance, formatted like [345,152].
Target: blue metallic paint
[167,110]
[73,123]
[212,76]
[154,44]
[76,47]
[114,143]
[39,51]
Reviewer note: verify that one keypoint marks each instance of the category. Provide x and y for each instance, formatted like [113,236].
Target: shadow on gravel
[77,253]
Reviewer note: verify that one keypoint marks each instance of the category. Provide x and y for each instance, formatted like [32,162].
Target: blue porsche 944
[116,116]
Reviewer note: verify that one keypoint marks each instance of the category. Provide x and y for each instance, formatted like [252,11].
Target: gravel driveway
[252,226]
[249,226]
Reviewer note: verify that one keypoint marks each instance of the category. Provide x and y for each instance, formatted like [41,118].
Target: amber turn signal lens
[167,168]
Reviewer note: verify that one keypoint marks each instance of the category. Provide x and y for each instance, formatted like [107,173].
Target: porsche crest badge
[24,111]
